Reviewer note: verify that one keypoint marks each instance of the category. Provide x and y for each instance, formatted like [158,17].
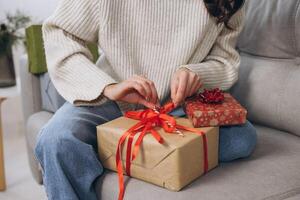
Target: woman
[151,51]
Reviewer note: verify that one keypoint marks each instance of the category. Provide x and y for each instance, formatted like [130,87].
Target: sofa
[268,86]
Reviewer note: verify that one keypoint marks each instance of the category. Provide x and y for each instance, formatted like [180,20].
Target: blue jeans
[66,148]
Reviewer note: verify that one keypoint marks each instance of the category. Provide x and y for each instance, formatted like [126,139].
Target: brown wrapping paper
[171,165]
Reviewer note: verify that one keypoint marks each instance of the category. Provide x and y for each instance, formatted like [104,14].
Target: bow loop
[157,117]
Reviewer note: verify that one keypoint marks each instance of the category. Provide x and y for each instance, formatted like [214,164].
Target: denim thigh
[80,121]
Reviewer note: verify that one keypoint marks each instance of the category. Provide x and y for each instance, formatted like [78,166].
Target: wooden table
[5,93]
[2,172]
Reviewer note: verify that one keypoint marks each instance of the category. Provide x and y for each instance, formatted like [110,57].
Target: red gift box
[202,114]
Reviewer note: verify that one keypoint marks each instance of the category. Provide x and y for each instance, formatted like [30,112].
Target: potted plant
[10,33]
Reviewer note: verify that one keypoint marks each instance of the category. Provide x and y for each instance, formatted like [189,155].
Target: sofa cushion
[269,89]
[34,124]
[297,197]
[269,77]
[297,31]
[35,49]
[271,29]
[51,99]
[272,171]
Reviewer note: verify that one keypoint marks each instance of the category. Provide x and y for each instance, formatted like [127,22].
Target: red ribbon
[149,118]
[212,96]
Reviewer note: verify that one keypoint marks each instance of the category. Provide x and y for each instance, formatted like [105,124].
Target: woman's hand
[184,83]
[137,89]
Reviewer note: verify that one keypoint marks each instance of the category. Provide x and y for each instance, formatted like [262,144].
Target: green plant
[11,31]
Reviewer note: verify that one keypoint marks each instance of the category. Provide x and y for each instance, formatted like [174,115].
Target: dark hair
[223,10]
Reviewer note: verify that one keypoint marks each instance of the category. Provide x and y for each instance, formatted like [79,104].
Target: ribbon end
[161,141]
[121,195]
[133,157]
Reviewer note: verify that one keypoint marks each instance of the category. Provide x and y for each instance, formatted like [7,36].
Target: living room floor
[20,183]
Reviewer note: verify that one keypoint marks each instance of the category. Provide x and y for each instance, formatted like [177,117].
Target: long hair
[223,10]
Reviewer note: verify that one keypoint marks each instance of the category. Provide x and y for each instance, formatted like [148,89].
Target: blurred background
[20,183]
[37,9]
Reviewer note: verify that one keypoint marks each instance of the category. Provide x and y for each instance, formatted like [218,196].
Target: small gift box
[157,148]
[214,108]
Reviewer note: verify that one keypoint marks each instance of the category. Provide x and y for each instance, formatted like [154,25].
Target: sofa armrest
[30,90]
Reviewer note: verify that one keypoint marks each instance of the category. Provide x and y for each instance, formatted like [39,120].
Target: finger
[197,87]
[150,85]
[174,87]
[189,84]
[154,92]
[123,88]
[138,87]
[146,87]
[182,85]
[194,86]
[154,95]
[145,103]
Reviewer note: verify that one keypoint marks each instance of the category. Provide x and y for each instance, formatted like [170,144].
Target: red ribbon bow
[212,96]
[149,118]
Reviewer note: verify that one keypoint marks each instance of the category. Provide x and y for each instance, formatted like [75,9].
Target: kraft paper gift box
[201,114]
[172,165]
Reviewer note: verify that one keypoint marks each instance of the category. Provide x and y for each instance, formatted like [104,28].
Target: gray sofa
[269,87]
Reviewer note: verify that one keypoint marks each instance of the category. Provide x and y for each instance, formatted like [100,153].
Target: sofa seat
[272,172]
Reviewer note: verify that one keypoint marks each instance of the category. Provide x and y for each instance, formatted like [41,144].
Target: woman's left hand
[184,83]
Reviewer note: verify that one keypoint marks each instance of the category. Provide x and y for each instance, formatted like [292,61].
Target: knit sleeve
[220,67]
[69,62]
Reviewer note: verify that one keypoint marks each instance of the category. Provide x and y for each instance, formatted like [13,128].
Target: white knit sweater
[150,37]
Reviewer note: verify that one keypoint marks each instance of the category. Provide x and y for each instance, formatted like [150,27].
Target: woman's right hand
[137,89]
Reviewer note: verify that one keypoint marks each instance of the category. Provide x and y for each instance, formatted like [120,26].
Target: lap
[80,121]
[238,131]
[235,142]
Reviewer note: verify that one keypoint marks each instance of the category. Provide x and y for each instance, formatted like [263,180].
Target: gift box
[203,113]
[169,160]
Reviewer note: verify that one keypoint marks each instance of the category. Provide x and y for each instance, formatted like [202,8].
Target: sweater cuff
[189,68]
[100,99]
[213,74]
[186,67]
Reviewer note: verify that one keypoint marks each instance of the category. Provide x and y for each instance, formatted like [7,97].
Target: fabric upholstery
[270,29]
[297,31]
[51,99]
[297,197]
[269,77]
[272,171]
[269,89]
[34,123]
[30,90]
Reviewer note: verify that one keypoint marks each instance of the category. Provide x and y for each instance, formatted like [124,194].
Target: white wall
[38,9]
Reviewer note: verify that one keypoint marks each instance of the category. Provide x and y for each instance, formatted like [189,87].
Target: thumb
[174,87]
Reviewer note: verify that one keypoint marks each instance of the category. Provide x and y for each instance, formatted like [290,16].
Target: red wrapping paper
[229,112]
